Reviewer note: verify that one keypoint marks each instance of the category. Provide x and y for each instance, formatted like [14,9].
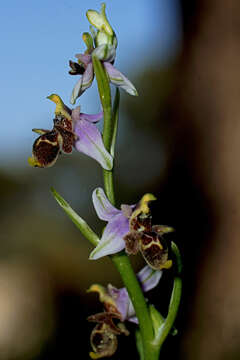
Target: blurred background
[180,139]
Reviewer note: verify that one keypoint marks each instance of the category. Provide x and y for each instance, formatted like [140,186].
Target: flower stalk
[121,260]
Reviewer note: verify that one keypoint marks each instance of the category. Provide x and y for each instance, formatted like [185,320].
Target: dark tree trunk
[206,117]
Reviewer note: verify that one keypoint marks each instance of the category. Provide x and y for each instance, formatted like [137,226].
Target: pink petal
[149,278]
[90,143]
[83,83]
[112,239]
[104,209]
[92,118]
[84,58]
[118,79]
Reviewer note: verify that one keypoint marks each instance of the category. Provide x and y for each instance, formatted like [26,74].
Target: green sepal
[81,224]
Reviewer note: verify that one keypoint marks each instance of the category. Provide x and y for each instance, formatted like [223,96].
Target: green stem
[121,260]
[108,185]
[125,269]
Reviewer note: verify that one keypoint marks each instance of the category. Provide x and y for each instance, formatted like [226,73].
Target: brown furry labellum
[104,335]
[149,240]
[51,143]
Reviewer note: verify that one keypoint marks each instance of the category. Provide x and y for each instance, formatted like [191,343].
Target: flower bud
[99,20]
[105,34]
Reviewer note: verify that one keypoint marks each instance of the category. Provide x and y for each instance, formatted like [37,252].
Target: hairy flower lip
[60,139]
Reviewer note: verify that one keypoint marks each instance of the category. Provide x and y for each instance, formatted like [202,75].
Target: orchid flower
[105,53]
[70,128]
[117,300]
[117,306]
[105,43]
[131,229]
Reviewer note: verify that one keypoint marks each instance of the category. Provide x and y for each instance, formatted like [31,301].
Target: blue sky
[39,37]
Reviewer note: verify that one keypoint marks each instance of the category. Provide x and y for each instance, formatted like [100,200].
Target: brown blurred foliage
[207,109]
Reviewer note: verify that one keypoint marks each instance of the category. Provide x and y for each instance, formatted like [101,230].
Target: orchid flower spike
[105,42]
[71,128]
[131,229]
